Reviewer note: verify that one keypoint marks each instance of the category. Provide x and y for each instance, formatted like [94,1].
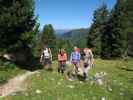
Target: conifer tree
[117,25]
[97,28]
[17,21]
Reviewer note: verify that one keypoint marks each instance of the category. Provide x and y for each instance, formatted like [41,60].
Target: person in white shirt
[46,58]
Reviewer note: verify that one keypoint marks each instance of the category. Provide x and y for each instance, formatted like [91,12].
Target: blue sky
[68,14]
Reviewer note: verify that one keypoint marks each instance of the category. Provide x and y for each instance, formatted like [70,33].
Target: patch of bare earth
[15,85]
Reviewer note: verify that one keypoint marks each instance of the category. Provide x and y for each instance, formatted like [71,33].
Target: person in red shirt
[62,58]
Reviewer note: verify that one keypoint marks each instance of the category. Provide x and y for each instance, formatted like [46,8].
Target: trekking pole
[93,65]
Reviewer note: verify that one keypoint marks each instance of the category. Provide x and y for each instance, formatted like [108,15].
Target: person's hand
[40,61]
[70,61]
[92,65]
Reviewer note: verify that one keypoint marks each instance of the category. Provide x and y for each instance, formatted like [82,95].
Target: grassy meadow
[118,84]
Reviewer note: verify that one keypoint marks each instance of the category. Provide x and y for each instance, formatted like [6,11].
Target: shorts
[86,65]
[47,61]
[75,62]
[62,66]
[62,62]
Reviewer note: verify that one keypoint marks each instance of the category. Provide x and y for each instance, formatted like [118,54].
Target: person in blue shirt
[75,59]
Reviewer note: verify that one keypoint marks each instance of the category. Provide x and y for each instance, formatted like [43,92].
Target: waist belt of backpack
[75,60]
[46,57]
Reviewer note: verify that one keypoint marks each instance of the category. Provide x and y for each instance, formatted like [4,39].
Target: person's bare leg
[74,69]
[85,71]
[46,67]
[58,67]
[43,66]
[77,68]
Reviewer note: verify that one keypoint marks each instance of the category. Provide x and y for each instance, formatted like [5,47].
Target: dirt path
[15,84]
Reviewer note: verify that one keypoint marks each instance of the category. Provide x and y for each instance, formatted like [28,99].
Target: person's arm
[71,57]
[41,57]
[92,58]
[58,57]
[50,54]
[79,57]
[65,56]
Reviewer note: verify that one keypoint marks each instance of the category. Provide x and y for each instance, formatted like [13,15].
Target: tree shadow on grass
[69,74]
[125,68]
[80,78]
[30,65]
[24,59]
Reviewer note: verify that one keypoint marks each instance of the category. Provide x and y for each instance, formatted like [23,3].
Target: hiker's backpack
[46,53]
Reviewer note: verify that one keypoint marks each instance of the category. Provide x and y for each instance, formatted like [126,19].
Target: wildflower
[38,91]
[70,86]
[103,98]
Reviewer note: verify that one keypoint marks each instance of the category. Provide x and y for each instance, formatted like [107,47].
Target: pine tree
[129,25]
[48,36]
[106,41]
[16,23]
[117,39]
[97,28]
[118,26]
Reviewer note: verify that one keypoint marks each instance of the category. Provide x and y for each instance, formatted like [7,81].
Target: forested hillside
[78,37]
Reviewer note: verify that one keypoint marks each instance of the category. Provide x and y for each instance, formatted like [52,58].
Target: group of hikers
[75,58]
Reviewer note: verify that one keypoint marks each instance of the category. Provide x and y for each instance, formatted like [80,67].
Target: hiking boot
[84,76]
[58,70]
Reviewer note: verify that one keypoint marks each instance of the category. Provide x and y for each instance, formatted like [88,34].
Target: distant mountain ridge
[76,33]
[61,31]
[77,37]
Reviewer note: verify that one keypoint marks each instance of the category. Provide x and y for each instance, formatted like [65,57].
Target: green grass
[54,86]
[8,70]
